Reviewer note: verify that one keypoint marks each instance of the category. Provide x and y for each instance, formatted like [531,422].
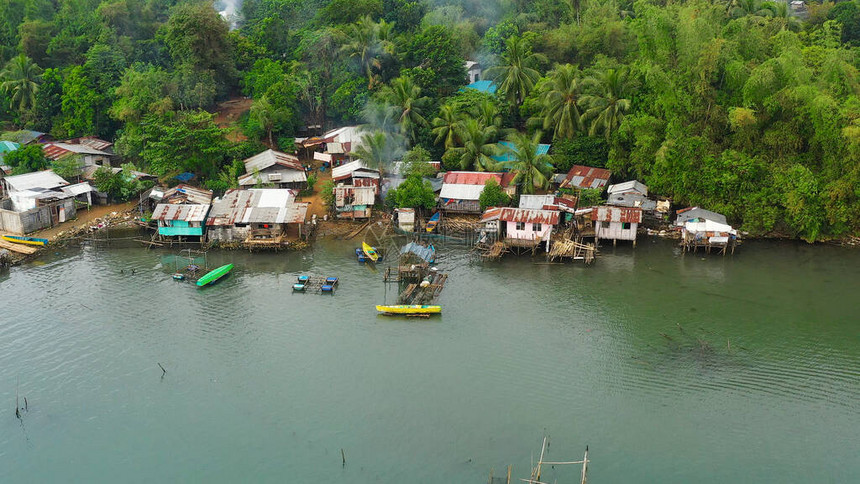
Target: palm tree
[532,170]
[445,126]
[20,80]
[405,97]
[742,8]
[609,103]
[487,113]
[265,113]
[516,76]
[559,102]
[376,150]
[368,42]
[478,146]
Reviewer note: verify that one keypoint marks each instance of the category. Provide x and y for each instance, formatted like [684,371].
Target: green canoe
[214,275]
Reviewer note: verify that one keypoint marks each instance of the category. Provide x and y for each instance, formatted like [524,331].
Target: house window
[536,227]
[605,225]
[625,226]
[521,225]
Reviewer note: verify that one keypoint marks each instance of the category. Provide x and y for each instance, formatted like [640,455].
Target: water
[671,367]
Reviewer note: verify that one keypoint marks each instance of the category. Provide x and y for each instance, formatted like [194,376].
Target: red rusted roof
[471,177]
[587,177]
[510,214]
[617,214]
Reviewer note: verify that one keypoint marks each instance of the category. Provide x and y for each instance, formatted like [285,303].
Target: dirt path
[227,114]
[84,218]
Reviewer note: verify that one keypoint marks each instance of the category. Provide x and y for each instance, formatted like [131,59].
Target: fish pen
[535,476]
[573,250]
[424,292]
[318,284]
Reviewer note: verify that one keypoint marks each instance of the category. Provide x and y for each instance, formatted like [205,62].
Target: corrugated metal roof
[347,169]
[360,195]
[691,213]
[78,189]
[191,195]
[277,176]
[425,253]
[91,141]
[186,212]
[267,205]
[261,161]
[710,228]
[7,146]
[586,177]
[483,86]
[505,148]
[55,151]
[40,179]
[470,177]
[348,136]
[536,202]
[617,214]
[628,186]
[510,214]
[461,192]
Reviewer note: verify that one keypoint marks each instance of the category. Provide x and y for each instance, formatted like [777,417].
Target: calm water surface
[671,368]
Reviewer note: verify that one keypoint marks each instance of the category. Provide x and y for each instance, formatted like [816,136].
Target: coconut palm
[405,97]
[559,102]
[517,74]
[378,149]
[445,126]
[267,115]
[20,80]
[532,170]
[606,107]
[742,8]
[478,146]
[487,113]
[369,42]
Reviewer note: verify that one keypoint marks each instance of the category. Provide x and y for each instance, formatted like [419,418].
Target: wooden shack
[616,223]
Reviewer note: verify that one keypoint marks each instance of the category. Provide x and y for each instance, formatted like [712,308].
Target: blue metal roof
[6,146]
[506,155]
[184,177]
[483,86]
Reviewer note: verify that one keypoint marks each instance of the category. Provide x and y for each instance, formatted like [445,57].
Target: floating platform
[316,284]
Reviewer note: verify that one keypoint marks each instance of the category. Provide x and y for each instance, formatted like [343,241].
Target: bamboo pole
[584,465]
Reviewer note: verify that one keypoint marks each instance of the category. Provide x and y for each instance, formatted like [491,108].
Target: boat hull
[25,240]
[370,252]
[214,275]
[409,309]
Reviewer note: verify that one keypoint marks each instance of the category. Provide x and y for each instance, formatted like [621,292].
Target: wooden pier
[416,293]
[572,249]
[19,248]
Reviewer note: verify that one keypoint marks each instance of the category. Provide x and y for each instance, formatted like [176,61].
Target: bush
[414,192]
[27,159]
[327,193]
[582,150]
[493,195]
[120,186]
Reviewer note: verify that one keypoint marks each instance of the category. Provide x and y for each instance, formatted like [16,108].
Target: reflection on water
[671,366]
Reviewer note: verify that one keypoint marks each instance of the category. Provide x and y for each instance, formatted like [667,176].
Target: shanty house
[89,156]
[630,194]
[26,137]
[262,217]
[697,214]
[473,71]
[586,177]
[356,173]
[36,200]
[708,234]
[180,220]
[461,190]
[616,223]
[354,202]
[274,168]
[565,205]
[522,227]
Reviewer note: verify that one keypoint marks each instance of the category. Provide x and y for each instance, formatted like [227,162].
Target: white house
[473,71]
[616,223]
[37,200]
[521,227]
[272,167]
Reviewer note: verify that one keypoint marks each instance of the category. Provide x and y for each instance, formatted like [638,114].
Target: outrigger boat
[433,222]
[409,309]
[214,275]
[370,252]
[20,239]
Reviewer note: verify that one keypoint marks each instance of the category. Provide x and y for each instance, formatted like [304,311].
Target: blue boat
[304,279]
[331,281]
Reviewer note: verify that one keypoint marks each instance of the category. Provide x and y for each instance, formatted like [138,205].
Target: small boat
[433,222]
[370,252]
[331,281]
[214,275]
[20,239]
[299,286]
[304,279]
[327,288]
[360,255]
[409,309]
[179,276]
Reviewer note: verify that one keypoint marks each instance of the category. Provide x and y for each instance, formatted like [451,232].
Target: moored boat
[370,252]
[214,275]
[20,239]
[433,222]
[409,309]
[299,286]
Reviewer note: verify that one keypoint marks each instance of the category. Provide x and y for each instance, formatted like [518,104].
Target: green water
[671,368]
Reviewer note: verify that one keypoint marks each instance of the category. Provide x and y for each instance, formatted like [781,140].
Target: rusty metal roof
[268,158]
[509,214]
[188,213]
[586,177]
[470,177]
[55,151]
[616,214]
[267,205]
[90,141]
[188,194]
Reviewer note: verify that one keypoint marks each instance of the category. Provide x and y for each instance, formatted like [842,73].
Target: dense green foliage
[26,159]
[493,195]
[740,107]
[414,192]
[120,186]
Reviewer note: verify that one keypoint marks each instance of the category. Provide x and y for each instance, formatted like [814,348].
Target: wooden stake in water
[343,458]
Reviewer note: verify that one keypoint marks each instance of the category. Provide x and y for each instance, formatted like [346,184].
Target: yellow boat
[370,252]
[407,309]
[18,239]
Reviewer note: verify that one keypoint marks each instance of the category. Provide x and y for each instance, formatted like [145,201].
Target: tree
[197,36]
[368,43]
[445,126]
[478,146]
[435,61]
[532,170]
[414,192]
[120,186]
[517,73]
[144,89]
[405,96]
[377,150]
[560,103]
[68,167]
[493,195]
[20,80]
[609,102]
[27,159]
[267,115]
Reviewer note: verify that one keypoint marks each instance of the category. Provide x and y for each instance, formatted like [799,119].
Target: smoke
[230,10]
